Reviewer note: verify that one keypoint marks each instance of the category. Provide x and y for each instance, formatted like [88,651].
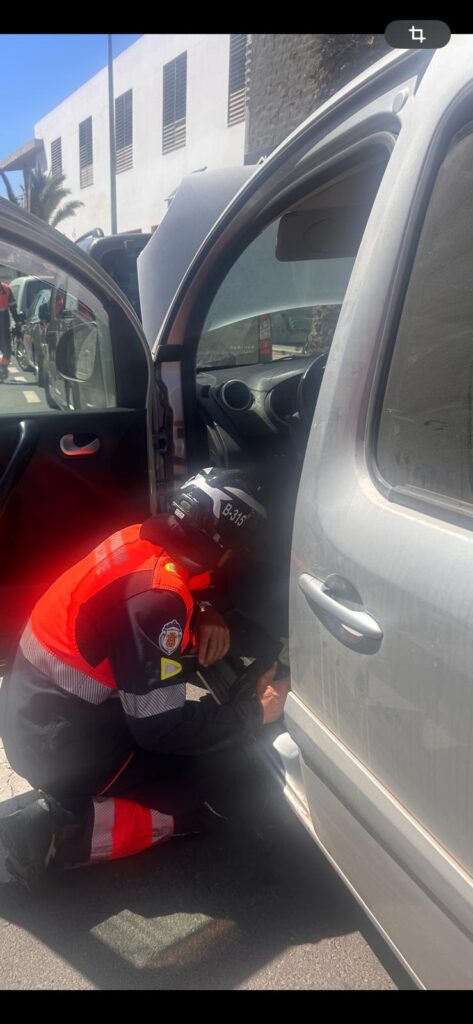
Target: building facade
[180,104]
[291,75]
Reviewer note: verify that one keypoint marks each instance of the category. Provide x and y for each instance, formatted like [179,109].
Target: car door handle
[359,622]
[69,447]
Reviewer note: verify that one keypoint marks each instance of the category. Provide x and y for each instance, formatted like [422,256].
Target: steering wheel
[309,387]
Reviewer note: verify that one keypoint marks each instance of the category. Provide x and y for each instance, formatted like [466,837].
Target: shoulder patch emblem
[170,637]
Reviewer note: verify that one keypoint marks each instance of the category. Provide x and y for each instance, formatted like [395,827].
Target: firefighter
[7,308]
[93,710]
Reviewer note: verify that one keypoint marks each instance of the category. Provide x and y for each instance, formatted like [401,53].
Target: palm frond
[10,193]
[45,192]
[65,211]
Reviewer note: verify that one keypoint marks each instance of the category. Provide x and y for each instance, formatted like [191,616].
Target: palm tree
[41,195]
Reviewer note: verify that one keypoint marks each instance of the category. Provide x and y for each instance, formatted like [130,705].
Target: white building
[179,107]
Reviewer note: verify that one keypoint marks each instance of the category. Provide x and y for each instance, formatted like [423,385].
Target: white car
[366,210]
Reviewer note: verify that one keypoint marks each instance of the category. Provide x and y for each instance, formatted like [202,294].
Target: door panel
[79,472]
[63,505]
[404,554]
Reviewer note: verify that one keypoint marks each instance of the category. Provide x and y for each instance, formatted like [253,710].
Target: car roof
[29,277]
[95,246]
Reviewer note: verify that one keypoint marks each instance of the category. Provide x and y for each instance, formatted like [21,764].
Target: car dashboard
[252,402]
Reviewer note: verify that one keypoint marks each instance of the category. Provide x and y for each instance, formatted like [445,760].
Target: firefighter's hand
[272,694]
[212,636]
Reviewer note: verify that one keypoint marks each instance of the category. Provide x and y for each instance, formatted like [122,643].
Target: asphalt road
[196,913]
[20,393]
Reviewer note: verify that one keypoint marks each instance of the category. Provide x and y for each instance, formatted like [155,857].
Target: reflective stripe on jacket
[50,639]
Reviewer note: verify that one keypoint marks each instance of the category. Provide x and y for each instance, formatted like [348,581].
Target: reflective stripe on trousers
[122,828]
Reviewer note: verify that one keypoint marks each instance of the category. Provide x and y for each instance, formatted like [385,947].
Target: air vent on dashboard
[236,395]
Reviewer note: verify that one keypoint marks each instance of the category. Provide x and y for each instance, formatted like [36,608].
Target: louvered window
[124,131]
[56,157]
[174,103]
[237,79]
[86,153]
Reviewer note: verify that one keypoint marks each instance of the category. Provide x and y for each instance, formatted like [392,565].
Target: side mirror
[77,353]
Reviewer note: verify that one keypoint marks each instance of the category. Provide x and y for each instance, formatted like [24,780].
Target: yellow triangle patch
[170,668]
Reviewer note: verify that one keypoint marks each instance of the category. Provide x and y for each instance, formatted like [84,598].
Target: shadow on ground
[195,913]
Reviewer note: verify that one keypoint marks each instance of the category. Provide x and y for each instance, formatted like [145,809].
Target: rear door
[68,478]
[382,580]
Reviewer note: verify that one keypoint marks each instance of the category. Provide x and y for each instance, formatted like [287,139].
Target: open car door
[71,475]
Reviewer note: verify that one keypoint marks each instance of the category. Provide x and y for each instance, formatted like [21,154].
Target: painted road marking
[31,396]
[22,379]
[13,369]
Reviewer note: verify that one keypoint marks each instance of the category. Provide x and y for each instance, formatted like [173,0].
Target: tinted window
[43,297]
[426,428]
[31,291]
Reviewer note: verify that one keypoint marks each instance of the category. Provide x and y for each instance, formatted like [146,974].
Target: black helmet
[223,505]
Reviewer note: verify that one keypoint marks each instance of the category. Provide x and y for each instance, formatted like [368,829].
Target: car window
[62,359]
[42,297]
[31,290]
[425,439]
[283,295]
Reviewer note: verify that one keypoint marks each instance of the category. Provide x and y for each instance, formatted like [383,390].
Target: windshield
[282,297]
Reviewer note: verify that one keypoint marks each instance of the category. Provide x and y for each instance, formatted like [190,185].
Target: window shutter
[86,154]
[124,131]
[237,79]
[174,103]
[56,156]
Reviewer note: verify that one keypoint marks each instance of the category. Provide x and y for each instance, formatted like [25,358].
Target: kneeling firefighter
[93,710]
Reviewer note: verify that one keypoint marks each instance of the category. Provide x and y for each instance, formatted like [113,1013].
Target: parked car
[28,349]
[25,290]
[364,453]
[118,254]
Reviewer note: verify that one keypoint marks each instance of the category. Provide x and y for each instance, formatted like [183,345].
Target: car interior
[260,358]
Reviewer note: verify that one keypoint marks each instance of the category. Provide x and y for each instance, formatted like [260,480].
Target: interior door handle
[27,441]
[69,447]
[358,622]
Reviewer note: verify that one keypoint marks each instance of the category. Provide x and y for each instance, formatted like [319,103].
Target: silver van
[357,234]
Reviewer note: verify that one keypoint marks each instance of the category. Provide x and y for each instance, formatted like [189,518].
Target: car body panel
[198,202]
[406,95]
[400,713]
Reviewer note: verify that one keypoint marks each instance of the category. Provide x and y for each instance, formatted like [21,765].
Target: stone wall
[290,75]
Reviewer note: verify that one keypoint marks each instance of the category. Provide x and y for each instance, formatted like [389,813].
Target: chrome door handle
[358,622]
[69,447]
